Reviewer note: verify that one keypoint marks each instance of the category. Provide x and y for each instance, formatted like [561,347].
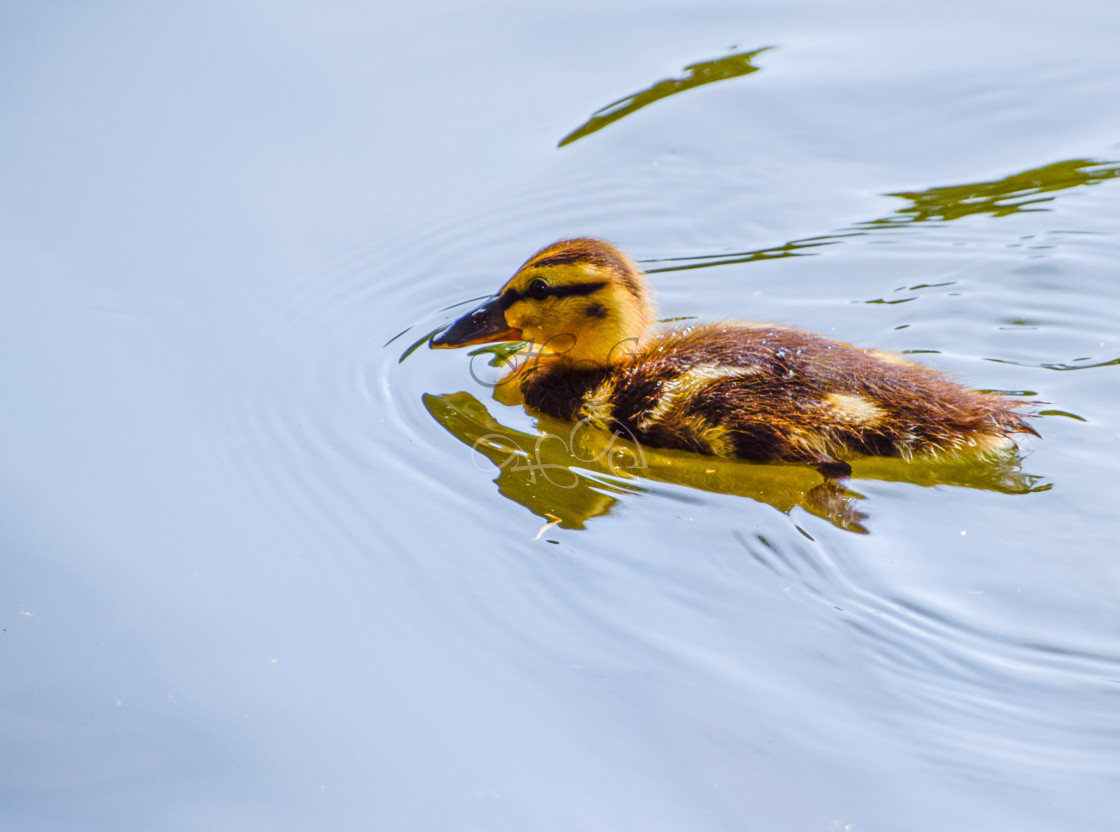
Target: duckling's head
[580,300]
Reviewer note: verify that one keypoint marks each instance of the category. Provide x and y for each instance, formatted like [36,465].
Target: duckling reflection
[569,473]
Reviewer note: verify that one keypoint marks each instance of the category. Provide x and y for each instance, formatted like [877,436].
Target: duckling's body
[749,391]
[769,393]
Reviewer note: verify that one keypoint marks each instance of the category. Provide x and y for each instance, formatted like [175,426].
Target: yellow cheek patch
[855,410]
[521,315]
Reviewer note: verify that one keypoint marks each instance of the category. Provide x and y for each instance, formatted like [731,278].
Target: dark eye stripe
[512,296]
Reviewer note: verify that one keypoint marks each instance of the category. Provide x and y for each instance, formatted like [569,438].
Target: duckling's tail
[1012,421]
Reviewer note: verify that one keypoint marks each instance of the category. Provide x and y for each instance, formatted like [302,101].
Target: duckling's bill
[484,325]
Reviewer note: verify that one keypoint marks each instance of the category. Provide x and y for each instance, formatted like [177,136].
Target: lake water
[260,568]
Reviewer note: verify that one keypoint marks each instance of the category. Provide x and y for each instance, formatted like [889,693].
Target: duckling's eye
[537,290]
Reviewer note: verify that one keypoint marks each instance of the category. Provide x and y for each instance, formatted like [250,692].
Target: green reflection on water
[568,473]
[1057,365]
[795,248]
[999,198]
[699,74]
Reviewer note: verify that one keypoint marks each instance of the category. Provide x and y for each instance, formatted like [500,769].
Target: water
[256,576]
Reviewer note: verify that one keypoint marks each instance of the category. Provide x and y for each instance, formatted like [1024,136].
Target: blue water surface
[254,576]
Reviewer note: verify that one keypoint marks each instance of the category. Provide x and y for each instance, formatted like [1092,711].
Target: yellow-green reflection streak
[1013,194]
[706,72]
[796,248]
[569,473]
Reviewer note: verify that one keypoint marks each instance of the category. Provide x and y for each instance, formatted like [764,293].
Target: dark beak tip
[485,324]
[440,341]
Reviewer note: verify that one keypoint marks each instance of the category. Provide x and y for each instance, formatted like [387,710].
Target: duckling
[761,392]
